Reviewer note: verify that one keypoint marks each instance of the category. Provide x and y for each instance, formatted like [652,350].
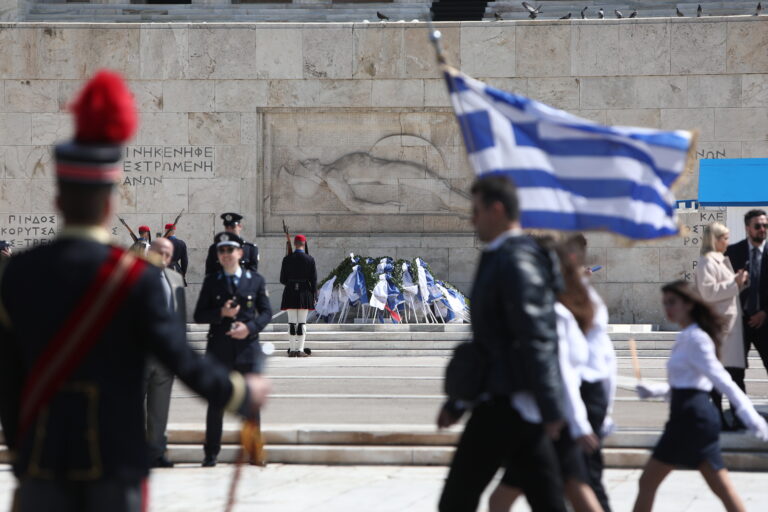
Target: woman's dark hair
[574,296]
[702,313]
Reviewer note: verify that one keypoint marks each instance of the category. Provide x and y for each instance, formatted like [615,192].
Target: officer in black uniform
[234,302]
[299,275]
[250,259]
[71,398]
[179,260]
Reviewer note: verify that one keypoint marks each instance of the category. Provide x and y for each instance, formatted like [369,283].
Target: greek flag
[571,173]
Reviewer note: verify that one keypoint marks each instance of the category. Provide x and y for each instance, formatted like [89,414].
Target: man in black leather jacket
[513,320]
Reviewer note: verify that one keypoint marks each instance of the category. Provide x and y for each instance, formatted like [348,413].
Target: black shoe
[162,462]
[209,461]
[288,352]
[308,351]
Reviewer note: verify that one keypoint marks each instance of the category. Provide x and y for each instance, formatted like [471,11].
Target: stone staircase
[554,9]
[370,393]
[262,12]
[409,445]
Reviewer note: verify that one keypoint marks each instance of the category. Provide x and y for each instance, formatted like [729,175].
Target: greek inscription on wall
[148,165]
[22,230]
[695,229]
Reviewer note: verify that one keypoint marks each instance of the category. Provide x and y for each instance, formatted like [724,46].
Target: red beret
[142,229]
[300,238]
[170,226]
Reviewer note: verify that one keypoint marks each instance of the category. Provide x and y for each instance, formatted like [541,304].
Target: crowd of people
[538,377]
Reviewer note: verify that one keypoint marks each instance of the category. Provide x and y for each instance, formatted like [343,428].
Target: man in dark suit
[750,254]
[158,381]
[299,276]
[249,260]
[71,397]
[234,302]
[180,260]
[520,406]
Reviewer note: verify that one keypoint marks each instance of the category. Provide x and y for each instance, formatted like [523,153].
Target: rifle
[167,231]
[288,245]
[133,235]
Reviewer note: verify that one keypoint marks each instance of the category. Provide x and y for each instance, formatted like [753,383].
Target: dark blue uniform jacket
[255,312]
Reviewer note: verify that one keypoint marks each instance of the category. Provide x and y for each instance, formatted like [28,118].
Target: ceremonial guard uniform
[145,234]
[246,289]
[180,260]
[71,386]
[299,275]
[250,259]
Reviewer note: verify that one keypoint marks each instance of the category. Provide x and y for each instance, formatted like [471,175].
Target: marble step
[646,331]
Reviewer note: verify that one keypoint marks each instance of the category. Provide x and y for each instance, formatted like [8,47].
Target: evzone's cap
[224,238]
[231,219]
[170,226]
[105,119]
[300,238]
[144,229]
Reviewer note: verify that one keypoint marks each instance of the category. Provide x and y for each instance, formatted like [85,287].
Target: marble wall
[345,130]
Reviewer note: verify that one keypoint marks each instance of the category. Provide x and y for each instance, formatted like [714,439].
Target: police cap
[231,219]
[225,238]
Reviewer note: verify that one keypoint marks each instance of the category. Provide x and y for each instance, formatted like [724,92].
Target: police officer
[250,258]
[71,386]
[234,302]
[179,260]
[299,275]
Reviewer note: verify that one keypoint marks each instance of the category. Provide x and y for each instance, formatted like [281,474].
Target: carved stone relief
[407,169]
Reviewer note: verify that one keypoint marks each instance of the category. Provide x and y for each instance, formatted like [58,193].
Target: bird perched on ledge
[382,17]
[583,13]
[566,17]
[618,13]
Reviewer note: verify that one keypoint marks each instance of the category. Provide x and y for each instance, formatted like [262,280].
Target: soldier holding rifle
[299,275]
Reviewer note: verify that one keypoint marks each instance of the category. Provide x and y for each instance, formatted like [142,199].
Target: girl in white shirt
[691,437]
[575,313]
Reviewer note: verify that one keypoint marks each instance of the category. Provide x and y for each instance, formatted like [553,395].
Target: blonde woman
[719,286]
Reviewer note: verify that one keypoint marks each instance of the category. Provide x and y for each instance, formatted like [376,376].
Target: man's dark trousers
[158,385]
[496,435]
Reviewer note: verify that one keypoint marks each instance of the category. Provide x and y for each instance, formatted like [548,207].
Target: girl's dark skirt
[692,433]
[569,457]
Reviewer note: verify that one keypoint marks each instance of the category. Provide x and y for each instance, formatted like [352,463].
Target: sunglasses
[759,226]
[226,249]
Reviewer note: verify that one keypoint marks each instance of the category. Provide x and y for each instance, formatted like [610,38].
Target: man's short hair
[751,214]
[491,189]
[83,203]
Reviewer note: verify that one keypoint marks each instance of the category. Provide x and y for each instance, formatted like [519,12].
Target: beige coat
[716,282]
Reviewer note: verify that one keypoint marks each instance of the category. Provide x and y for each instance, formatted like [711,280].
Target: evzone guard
[299,276]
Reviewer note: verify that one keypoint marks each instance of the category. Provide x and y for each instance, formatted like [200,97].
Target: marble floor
[297,488]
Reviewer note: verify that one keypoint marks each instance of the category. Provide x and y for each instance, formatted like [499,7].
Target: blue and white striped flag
[571,173]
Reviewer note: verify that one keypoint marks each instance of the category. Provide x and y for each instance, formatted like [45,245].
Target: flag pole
[435,37]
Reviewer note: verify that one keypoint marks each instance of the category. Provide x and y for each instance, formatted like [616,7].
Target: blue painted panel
[733,182]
